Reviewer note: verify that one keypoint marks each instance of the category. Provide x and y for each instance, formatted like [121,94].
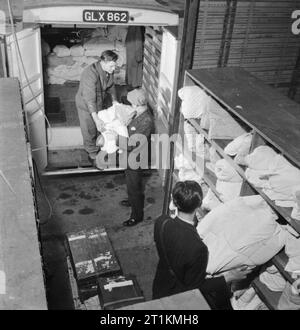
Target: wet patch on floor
[109,185]
[68,211]
[72,188]
[119,180]
[86,210]
[83,195]
[64,196]
[71,202]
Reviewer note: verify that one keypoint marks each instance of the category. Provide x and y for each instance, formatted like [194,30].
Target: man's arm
[112,91]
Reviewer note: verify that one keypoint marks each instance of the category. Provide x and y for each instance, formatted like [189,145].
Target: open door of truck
[25,63]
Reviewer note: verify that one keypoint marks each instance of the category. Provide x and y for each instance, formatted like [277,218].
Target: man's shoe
[125,202]
[131,222]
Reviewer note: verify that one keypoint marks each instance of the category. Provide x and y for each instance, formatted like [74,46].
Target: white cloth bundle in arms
[194,101]
[62,50]
[221,123]
[242,231]
[116,118]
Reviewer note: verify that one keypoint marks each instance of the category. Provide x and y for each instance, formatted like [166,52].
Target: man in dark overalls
[96,83]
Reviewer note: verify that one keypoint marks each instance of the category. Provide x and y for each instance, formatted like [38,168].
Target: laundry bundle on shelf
[247,300]
[278,178]
[272,278]
[256,237]
[194,101]
[239,148]
[292,250]
[66,64]
[229,182]
[290,298]
[210,201]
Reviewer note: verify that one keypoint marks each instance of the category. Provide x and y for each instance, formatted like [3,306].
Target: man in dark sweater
[134,157]
[183,256]
[96,84]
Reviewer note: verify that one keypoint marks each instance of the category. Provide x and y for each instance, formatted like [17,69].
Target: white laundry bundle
[77,50]
[61,51]
[228,190]
[53,60]
[282,184]
[292,250]
[225,172]
[210,201]
[272,278]
[242,231]
[221,123]
[279,179]
[116,118]
[194,101]
[229,182]
[296,209]
[261,162]
[290,298]
[239,148]
[261,158]
[248,300]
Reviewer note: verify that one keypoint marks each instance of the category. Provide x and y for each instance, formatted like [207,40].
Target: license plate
[105,16]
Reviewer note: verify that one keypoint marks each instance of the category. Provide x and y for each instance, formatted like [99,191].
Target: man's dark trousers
[135,190]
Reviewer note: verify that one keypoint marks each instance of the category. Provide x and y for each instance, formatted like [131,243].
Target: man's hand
[100,125]
[237,274]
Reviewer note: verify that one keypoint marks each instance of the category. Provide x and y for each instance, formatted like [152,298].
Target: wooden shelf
[268,297]
[280,261]
[219,145]
[274,116]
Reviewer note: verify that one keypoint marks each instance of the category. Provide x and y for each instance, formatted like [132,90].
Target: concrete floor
[83,202]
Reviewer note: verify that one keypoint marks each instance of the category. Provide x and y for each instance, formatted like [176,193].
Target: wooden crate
[92,255]
[118,291]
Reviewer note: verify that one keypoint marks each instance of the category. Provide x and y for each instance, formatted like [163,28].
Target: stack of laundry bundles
[66,64]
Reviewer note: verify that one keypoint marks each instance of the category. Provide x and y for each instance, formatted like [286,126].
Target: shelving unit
[272,118]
